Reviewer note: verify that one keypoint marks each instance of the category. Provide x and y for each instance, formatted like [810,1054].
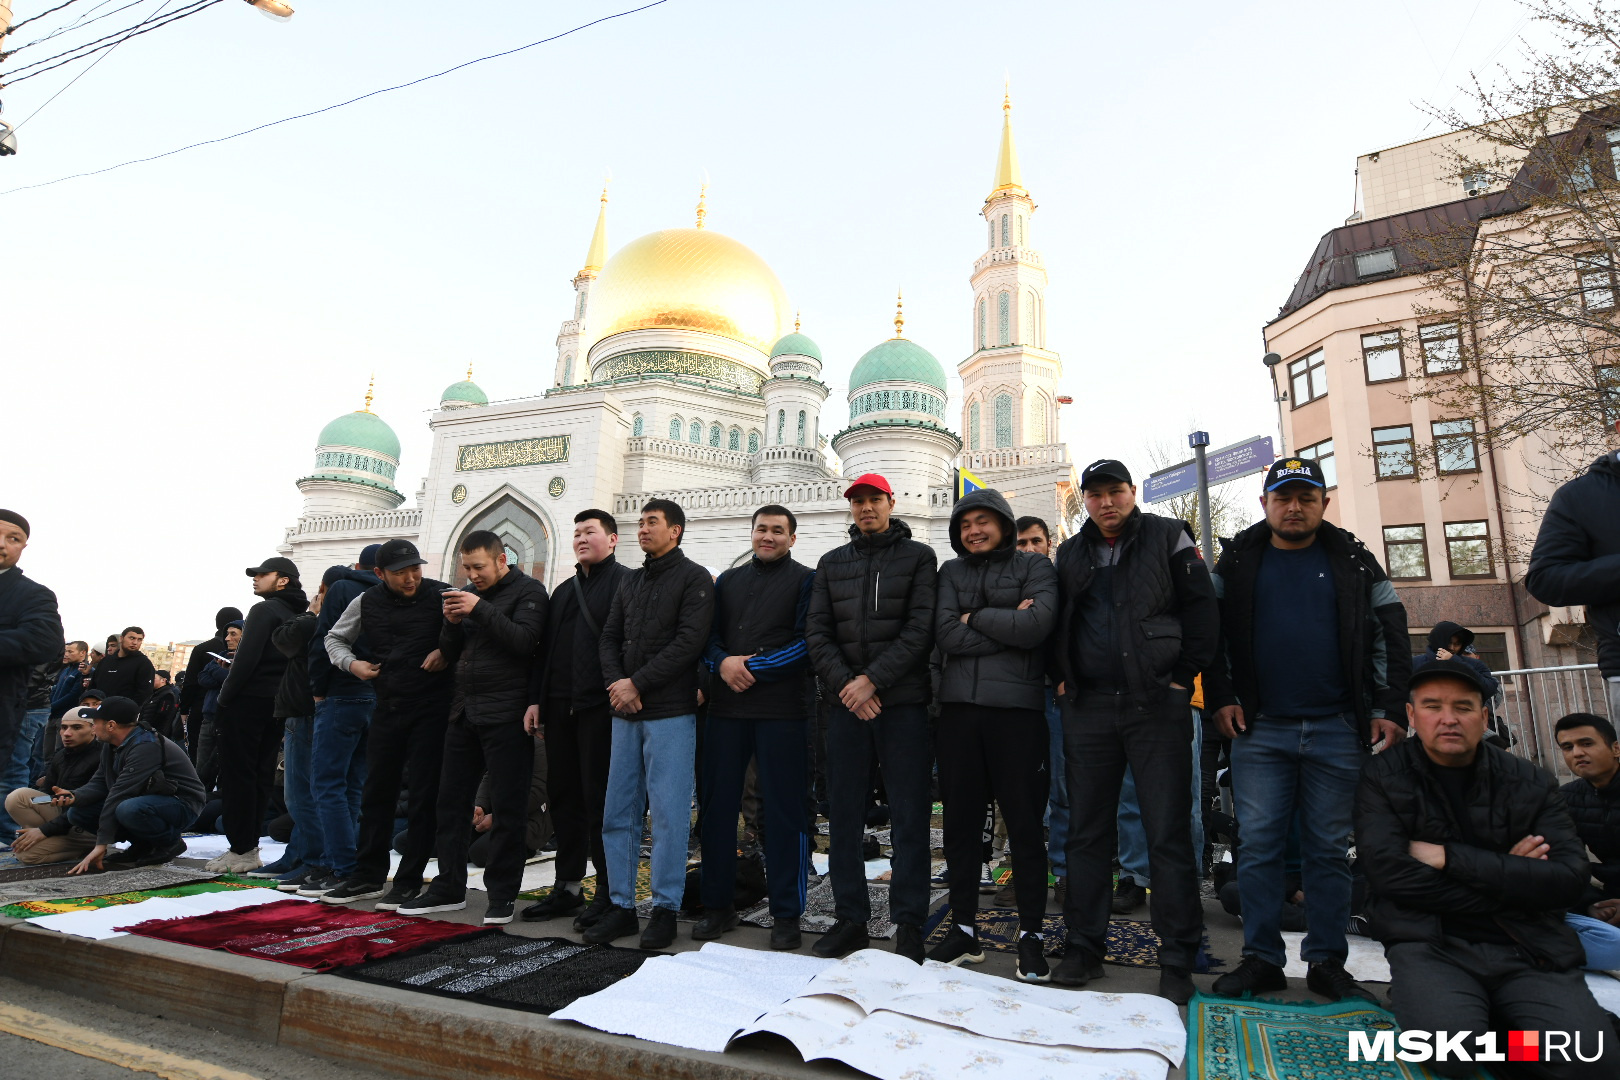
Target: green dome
[898,359]
[362,430]
[465,390]
[795,344]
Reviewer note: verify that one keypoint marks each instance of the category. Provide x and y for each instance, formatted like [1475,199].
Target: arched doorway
[528,544]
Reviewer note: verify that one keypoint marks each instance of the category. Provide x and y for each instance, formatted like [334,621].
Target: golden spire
[469,371]
[899,314]
[370,389]
[795,322]
[703,203]
[1009,177]
[597,255]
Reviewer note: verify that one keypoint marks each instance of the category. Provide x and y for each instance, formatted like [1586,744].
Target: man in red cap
[870,632]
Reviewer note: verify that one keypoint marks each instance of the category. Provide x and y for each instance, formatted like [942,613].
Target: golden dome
[689,279]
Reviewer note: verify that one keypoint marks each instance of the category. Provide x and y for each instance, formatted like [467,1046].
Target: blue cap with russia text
[1286,470]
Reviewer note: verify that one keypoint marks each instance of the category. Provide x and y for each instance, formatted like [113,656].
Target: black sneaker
[1032,966]
[319,883]
[434,900]
[498,914]
[296,880]
[354,889]
[845,937]
[617,923]
[1252,976]
[660,931]
[396,898]
[157,856]
[1175,984]
[714,923]
[1329,979]
[908,942]
[785,935]
[959,947]
[593,913]
[1128,896]
[1078,966]
[555,904]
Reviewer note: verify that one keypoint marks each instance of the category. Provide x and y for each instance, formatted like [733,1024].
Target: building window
[1004,241]
[753,442]
[1468,549]
[638,426]
[1029,318]
[1322,454]
[1406,554]
[695,432]
[1373,263]
[1597,281]
[1035,423]
[734,439]
[675,427]
[1493,650]
[579,308]
[1454,447]
[1307,378]
[1580,177]
[1003,319]
[1442,348]
[981,322]
[781,425]
[1614,151]
[1020,229]
[715,431]
[1382,355]
[801,427]
[568,371]
[973,426]
[1608,388]
[1004,433]
[1393,452]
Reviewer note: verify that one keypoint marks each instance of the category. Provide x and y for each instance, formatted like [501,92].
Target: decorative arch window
[1035,423]
[638,426]
[675,428]
[715,431]
[734,439]
[801,427]
[695,432]
[992,225]
[1004,240]
[568,370]
[781,425]
[1003,318]
[1029,318]
[1004,420]
[981,322]
[579,308]
[1040,321]
[753,442]
[973,426]
[1020,229]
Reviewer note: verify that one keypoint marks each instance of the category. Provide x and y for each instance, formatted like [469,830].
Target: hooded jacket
[872,614]
[493,649]
[1440,638]
[1576,559]
[125,771]
[655,633]
[570,642]
[343,585]
[998,657]
[258,666]
[191,694]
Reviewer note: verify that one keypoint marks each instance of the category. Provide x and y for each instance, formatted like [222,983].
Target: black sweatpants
[405,743]
[249,735]
[579,743]
[506,752]
[986,753]
[779,747]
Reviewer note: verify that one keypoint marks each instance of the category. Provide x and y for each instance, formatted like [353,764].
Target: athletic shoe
[660,932]
[398,897]
[908,942]
[959,947]
[1032,966]
[1006,896]
[618,922]
[297,879]
[714,923]
[352,890]
[434,900]
[1128,896]
[593,913]
[1175,984]
[319,884]
[555,904]
[234,862]
[1078,966]
[1252,975]
[845,937]
[280,868]
[1329,979]
[498,914]
[785,935]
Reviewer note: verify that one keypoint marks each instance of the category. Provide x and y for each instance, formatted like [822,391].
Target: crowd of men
[1066,689]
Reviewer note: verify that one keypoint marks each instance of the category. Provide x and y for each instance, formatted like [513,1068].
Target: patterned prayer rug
[112,881]
[588,885]
[1129,943]
[22,871]
[318,936]
[1229,1039]
[497,968]
[819,906]
[33,909]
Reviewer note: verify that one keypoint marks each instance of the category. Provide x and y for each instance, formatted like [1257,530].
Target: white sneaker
[233,863]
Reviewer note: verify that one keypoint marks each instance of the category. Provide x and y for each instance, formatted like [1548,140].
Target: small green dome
[795,344]
[466,390]
[362,430]
[898,359]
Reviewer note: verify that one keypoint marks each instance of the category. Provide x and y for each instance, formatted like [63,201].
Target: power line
[91,68]
[41,15]
[341,104]
[79,24]
[101,43]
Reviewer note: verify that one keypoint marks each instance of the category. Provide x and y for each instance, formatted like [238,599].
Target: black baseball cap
[119,710]
[368,556]
[399,555]
[1287,470]
[1105,469]
[1449,669]
[277,565]
[99,695]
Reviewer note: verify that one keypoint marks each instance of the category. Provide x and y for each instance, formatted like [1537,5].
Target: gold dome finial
[703,202]
[469,371]
[1006,94]
[370,392]
[795,322]
[1009,177]
[899,314]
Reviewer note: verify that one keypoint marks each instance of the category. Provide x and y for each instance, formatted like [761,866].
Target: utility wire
[89,69]
[99,44]
[83,22]
[341,104]
[41,15]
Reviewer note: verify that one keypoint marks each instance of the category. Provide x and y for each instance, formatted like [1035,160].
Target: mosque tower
[465,394]
[571,366]
[356,457]
[793,397]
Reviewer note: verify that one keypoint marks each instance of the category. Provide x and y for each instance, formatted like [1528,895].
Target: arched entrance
[528,544]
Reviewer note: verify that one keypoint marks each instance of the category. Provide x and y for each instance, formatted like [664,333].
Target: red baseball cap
[871,480]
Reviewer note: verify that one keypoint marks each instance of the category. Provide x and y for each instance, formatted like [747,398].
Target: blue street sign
[1228,463]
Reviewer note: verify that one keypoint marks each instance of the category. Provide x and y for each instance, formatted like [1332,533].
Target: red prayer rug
[318,936]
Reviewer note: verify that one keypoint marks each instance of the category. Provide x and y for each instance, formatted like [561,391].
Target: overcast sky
[175,334]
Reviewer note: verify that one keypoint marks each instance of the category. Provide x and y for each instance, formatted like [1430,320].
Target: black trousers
[1101,735]
[779,748]
[984,754]
[897,741]
[578,746]
[249,736]
[405,743]
[506,752]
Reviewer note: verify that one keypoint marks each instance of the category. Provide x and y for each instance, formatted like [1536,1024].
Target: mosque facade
[677,376]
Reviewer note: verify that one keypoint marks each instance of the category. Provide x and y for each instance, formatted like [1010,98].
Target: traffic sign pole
[1199,441]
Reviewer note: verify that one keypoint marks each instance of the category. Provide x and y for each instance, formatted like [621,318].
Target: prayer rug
[1129,943]
[317,936]
[32,909]
[819,906]
[1231,1039]
[35,871]
[513,972]
[111,881]
[588,885]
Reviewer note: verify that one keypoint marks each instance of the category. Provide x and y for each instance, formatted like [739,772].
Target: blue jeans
[1133,845]
[304,847]
[1601,941]
[1281,767]
[1057,800]
[337,774]
[17,770]
[146,820]
[651,764]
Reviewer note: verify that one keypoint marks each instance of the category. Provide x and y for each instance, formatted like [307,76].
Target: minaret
[356,458]
[793,397]
[571,369]
[1009,379]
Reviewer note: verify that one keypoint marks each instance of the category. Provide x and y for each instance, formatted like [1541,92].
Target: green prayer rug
[33,909]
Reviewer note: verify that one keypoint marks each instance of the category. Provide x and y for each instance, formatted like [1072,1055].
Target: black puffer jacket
[1576,559]
[493,649]
[1401,800]
[1596,812]
[872,614]
[655,633]
[403,632]
[258,666]
[998,657]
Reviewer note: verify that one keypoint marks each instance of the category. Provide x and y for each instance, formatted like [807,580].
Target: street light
[8,140]
[271,9]
[1271,360]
